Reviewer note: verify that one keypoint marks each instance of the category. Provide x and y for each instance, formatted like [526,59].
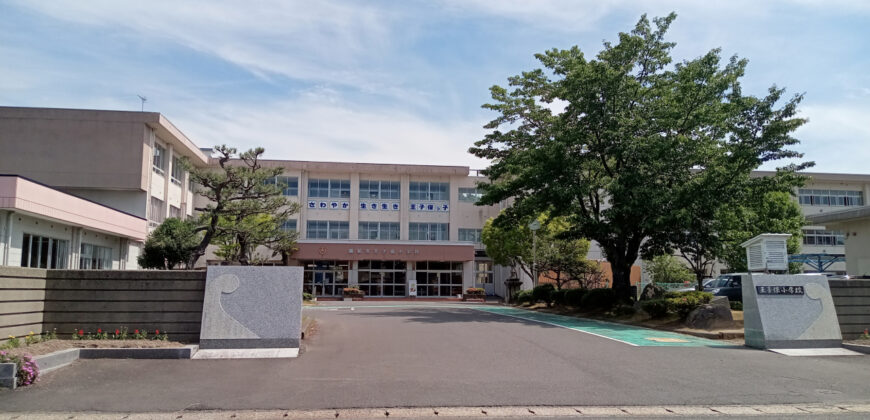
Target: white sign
[412,287]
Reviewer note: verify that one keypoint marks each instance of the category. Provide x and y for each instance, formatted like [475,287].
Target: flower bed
[352,292]
[474,294]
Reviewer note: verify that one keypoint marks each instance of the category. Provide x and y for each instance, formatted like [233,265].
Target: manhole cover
[667,340]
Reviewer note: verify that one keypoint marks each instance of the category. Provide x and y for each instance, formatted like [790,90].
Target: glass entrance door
[325,278]
[383,278]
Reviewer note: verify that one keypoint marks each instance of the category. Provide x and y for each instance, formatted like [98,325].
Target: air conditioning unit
[767,252]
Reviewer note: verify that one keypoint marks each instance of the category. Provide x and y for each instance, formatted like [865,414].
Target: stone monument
[789,312]
[249,307]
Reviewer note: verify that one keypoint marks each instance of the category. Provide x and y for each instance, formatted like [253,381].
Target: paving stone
[779,409]
[601,411]
[736,410]
[646,411]
[691,410]
[554,411]
[821,409]
[506,411]
[458,411]
[411,413]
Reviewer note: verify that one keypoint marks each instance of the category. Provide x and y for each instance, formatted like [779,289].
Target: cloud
[836,137]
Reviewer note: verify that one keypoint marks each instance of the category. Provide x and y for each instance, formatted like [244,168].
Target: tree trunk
[621,272]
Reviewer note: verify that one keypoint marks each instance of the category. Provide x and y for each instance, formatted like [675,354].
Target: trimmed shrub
[684,302]
[598,299]
[558,297]
[656,308]
[624,310]
[736,305]
[542,293]
[574,297]
[307,296]
[523,297]
[475,291]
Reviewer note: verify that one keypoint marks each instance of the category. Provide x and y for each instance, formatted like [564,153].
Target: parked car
[693,288]
[728,285]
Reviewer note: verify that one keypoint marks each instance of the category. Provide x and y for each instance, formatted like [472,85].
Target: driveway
[449,355]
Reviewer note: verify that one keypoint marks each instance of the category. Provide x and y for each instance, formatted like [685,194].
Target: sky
[404,81]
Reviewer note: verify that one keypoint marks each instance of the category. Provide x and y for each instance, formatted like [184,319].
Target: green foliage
[624,310]
[307,296]
[599,300]
[170,244]
[558,297]
[245,209]
[542,293]
[736,305]
[682,303]
[523,297]
[645,150]
[656,308]
[574,297]
[475,291]
[667,269]
[12,342]
[26,368]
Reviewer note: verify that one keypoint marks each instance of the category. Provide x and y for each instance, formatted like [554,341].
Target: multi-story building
[84,187]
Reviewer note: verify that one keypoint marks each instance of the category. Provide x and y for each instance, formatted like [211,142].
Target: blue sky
[403,81]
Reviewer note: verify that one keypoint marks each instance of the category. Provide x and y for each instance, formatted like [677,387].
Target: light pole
[534,226]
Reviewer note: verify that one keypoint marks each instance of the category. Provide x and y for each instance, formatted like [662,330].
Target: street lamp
[534,226]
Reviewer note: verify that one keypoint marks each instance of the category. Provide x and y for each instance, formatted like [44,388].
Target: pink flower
[99,330]
[81,333]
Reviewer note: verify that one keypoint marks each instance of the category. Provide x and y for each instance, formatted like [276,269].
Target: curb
[858,348]
[59,359]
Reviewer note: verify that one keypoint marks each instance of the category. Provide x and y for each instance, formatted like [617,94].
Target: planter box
[474,298]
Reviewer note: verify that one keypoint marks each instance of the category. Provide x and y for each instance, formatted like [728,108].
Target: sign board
[789,312]
[412,288]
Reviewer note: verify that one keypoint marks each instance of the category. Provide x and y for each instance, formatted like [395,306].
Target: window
[379,190]
[427,231]
[289,184]
[327,229]
[174,212]
[810,197]
[329,188]
[429,191]
[482,272]
[383,278]
[469,235]
[471,195]
[439,278]
[159,162]
[384,231]
[42,252]
[823,237]
[289,225]
[324,278]
[157,213]
[177,171]
[95,257]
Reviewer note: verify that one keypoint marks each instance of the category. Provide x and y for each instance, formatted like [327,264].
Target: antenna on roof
[143,99]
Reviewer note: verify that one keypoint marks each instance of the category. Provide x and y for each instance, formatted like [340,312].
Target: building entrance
[383,278]
[325,278]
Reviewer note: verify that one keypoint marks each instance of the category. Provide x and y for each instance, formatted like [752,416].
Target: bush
[307,296]
[27,372]
[522,297]
[656,308]
[736,306]
[598,299]
[475,291]
[543,293]
[684,302]
[352,292]
[558,296]
[574,297]
[624,310]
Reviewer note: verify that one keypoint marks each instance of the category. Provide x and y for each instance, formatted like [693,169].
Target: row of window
[43,252]
[383,231]
[813,197]
[823,237]
[157,213]
[370,189]
[159,164]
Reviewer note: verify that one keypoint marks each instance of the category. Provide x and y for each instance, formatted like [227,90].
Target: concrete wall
[852,300]
[41,300]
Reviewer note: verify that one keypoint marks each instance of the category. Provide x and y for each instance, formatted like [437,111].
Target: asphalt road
[435,356]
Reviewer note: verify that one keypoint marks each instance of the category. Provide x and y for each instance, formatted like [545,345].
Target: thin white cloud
[837,137]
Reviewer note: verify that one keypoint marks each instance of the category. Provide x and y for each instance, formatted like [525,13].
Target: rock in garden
[652,291]
[710,316]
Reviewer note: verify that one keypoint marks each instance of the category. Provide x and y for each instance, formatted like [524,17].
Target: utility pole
[534,226]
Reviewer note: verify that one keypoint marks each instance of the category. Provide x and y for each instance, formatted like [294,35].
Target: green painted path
[627,334]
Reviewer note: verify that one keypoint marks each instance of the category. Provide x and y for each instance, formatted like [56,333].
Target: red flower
[99,330]
[81,332]
[117,332]
[156,331]
[136,331]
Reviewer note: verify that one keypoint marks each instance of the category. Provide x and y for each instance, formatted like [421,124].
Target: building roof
[28,197]
[366,168]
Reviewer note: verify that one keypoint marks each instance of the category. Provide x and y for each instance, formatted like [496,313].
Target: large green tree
[512,243]
[169,245]
[239,193]
[241,236]
[640,143]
